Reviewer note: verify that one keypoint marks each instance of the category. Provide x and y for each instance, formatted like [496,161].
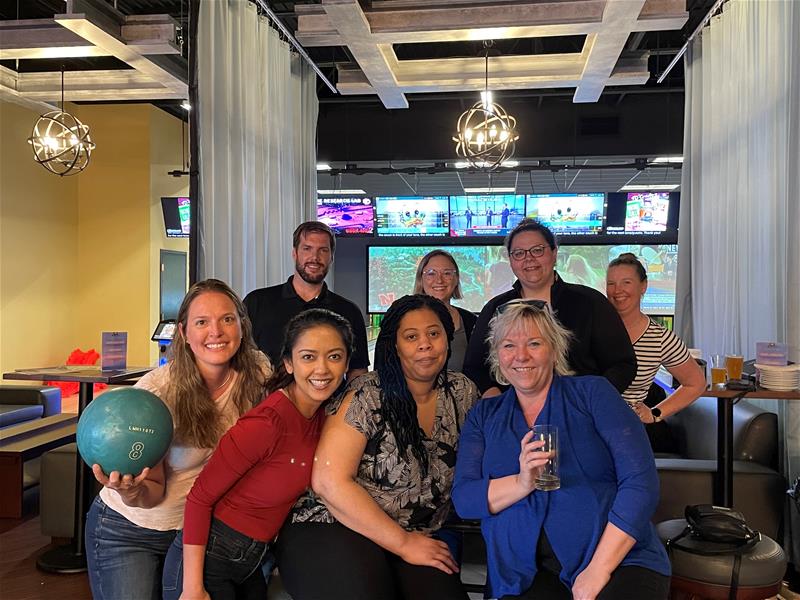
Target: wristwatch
[656,412]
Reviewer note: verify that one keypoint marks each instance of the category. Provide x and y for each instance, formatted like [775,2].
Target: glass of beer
[548,479]
[733,365]
[719,373]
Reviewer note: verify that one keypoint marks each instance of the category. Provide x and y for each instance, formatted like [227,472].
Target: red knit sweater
[258,471]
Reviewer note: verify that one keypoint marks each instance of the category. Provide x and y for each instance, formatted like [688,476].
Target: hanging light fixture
[486,134]
[61,143]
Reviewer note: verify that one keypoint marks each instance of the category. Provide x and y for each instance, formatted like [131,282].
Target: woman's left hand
[644,413]
[589,583]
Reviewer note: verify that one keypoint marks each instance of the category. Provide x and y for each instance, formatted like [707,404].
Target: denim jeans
[232,568]
[124,560]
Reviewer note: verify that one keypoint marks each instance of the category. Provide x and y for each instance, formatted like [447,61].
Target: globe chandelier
[61,143]
[485,133]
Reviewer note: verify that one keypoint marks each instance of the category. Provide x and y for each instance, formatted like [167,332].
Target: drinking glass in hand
[548,478]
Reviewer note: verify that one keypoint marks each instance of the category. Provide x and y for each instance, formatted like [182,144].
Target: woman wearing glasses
[592,536]
[438,276]
[600,344]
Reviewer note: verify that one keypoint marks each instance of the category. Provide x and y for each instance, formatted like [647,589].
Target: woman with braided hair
[383,472]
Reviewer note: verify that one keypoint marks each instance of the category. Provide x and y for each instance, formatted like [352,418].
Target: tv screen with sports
[482,215]
[587,265]
[404,216]
[347,216]
[484,273]
[568,214]
[646,212]
[177,213]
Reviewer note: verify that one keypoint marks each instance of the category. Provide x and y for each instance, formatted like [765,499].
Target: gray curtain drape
[257,117]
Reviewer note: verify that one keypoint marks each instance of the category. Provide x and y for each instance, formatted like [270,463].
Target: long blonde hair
[197,420]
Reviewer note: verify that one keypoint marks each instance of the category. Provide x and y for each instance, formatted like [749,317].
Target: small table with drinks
[723,491]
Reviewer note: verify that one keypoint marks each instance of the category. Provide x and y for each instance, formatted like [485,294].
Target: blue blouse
[607,471]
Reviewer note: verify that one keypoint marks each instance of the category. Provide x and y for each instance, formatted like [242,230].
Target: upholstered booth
[19,403]
[688,478]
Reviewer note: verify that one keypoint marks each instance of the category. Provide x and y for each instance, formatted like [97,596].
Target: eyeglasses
[521,253]
[537,304]
[433,273]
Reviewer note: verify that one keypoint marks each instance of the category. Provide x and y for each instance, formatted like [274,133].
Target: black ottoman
[700,577]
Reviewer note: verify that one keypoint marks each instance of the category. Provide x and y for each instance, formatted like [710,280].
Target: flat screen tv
[485,272]
[642,213]
[646,212]
[347,216]
[482,215]
[177,212]
[404,216]
[587,265]
[568,214]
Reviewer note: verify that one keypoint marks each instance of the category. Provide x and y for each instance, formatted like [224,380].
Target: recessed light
[665,187]
[341,192]
[489,190]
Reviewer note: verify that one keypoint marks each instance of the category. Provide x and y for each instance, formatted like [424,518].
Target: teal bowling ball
[125,430]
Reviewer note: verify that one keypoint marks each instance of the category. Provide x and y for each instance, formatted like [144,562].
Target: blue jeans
[125,560]
[232,568]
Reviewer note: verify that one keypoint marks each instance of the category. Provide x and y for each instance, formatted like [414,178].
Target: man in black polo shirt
[270,309]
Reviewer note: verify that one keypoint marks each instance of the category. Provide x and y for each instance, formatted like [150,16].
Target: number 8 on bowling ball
[125,430]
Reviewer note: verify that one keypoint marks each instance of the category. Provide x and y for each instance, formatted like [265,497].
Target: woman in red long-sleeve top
[259,469]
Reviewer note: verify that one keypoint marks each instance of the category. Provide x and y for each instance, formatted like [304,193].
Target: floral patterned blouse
[396,483]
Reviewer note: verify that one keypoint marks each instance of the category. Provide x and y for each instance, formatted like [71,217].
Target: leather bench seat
[11,414]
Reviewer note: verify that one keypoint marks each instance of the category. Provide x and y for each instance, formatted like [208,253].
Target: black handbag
[724,531]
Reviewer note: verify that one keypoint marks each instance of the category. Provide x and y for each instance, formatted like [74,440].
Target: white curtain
[739,275]
[257,119]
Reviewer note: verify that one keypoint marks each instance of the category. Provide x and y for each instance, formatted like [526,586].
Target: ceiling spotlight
[323,167]
[185,105]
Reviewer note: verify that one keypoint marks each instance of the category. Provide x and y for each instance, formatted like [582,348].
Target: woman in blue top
[592,538]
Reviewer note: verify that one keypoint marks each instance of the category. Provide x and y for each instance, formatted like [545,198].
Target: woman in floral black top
[383,473]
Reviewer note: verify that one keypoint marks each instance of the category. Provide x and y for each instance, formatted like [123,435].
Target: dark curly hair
[398,408]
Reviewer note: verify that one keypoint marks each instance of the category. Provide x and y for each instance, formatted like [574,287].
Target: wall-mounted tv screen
[494,214]
[412,215]
[646,212]
[485,272]
[587,265]
[177,212]
[568,214]
[642,213]
[347,216]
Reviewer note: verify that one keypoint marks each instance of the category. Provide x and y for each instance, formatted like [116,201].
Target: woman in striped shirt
[626,283]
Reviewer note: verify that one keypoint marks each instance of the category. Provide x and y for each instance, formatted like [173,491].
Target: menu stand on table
[71,558]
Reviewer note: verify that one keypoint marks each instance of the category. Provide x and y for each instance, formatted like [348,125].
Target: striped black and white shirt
[655,347]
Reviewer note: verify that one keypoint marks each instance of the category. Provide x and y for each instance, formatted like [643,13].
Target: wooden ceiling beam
[398,22]
[45,38]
